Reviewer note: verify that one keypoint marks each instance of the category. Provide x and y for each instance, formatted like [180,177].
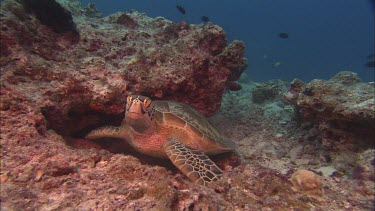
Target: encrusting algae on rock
[308,182]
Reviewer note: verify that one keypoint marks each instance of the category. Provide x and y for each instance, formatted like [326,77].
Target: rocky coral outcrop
[341,98]
[273,135]
[340,115]
[341,106]
[51,14]
[90,73]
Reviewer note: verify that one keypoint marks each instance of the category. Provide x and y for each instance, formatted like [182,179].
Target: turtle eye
[129,100]
[146,103]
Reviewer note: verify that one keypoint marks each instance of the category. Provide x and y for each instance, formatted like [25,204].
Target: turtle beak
[135,110]
[136,107]
[137,117]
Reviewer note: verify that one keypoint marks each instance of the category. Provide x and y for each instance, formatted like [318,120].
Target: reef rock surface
[91,65]
[343,98]
[343,107]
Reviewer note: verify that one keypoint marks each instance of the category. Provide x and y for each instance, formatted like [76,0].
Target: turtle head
[139,113]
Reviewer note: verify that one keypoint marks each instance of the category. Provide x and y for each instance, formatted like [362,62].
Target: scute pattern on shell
[194,119]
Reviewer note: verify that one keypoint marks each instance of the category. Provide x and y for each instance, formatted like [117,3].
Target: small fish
[371,56]
[205,18]
[284,35]
[276,64]
[370,64]
[181,9]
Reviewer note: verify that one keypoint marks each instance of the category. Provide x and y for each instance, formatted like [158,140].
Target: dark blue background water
[325,36]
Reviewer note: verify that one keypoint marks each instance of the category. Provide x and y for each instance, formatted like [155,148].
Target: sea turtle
[168,129]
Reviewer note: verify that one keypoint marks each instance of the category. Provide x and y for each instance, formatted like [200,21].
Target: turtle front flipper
[193,163]
[107,132]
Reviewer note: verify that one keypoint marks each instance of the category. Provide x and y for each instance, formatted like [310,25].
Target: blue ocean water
[325,37]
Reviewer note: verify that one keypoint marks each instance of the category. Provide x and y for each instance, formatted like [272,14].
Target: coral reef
[342,98]
[47,172]
[269,91]
[51,14]
[79,80]
[273,135]
[343,108]
[339,117]
[56,86]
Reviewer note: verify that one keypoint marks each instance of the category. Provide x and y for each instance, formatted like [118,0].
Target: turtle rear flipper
[193,163]
[107,132]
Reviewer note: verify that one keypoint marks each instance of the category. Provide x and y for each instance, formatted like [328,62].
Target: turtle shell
[187,118]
